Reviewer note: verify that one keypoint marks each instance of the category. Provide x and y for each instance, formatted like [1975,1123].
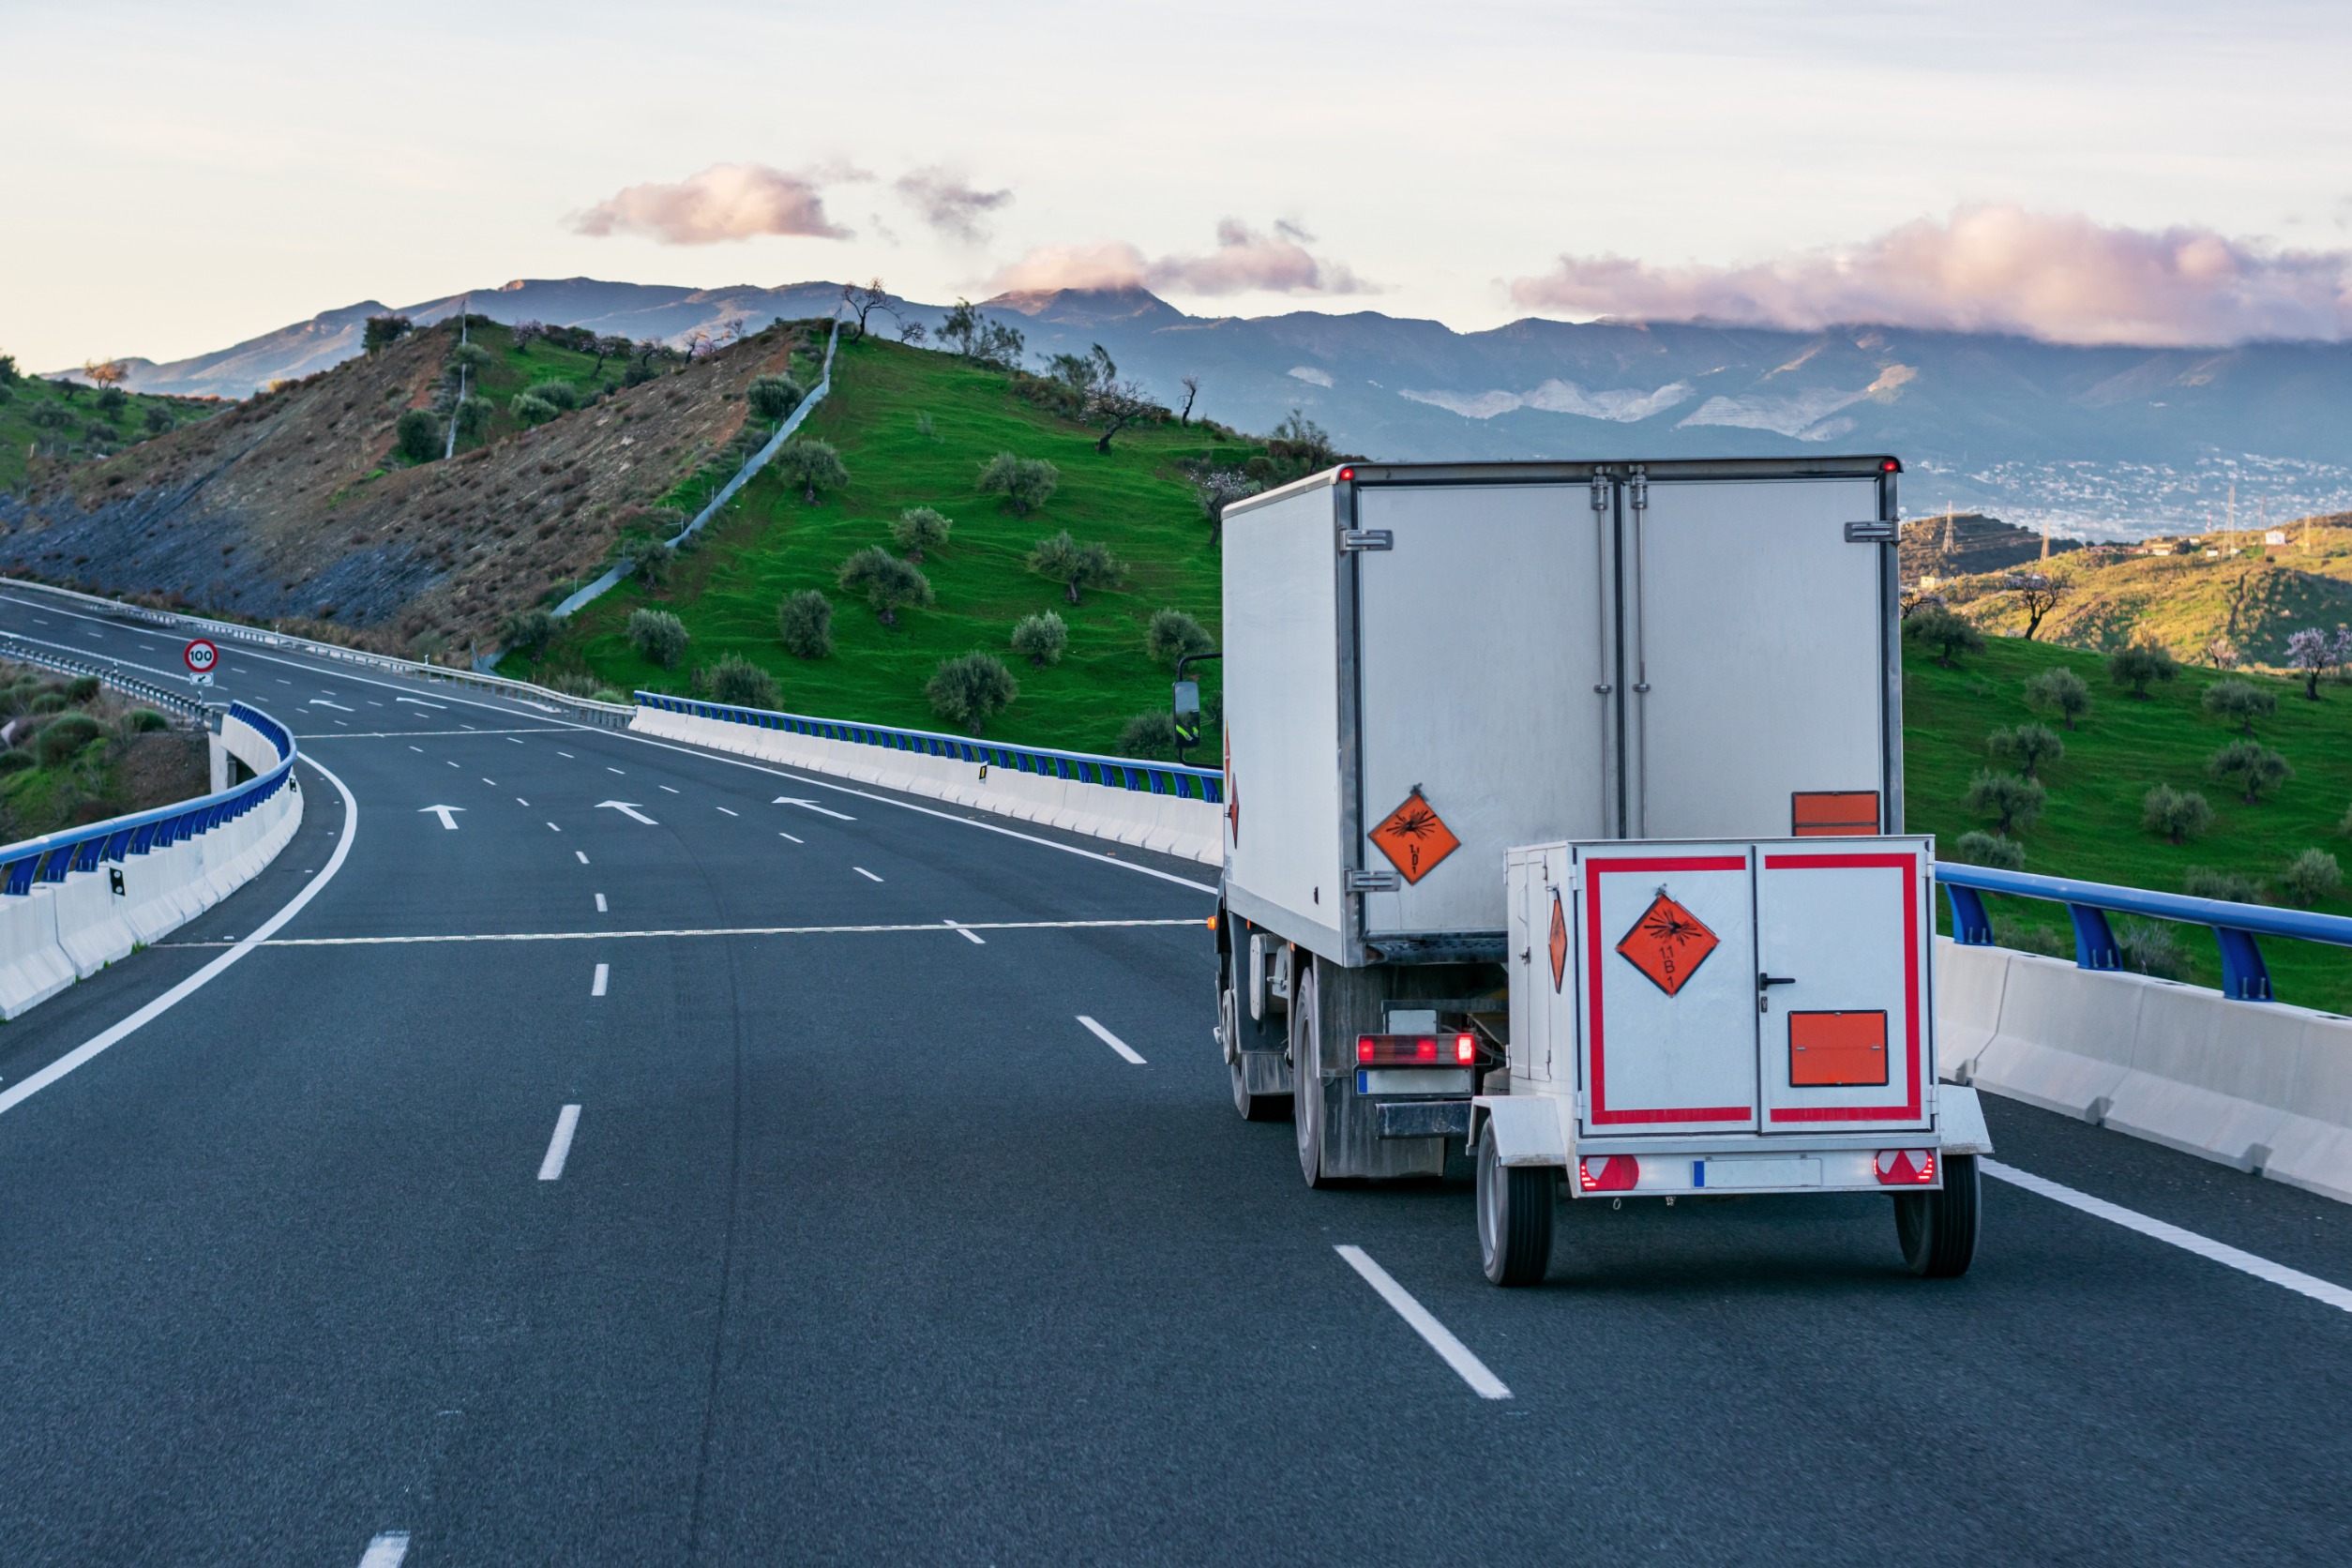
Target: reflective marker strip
[1106,1037]
[386,1550]
[559,1148]
[1440,1339]
[2188,1241]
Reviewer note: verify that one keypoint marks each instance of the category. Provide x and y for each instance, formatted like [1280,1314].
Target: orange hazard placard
[1667,944]
[1413,839]
[1559,942]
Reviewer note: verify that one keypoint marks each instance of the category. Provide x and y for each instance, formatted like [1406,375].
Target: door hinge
[1600,492]
[1371,881]
[1367,538]
[1875,533]
[1641,490]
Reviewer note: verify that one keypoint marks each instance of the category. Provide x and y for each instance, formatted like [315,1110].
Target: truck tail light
[1416,1050]
[1611,1172]
[1905,1168]
[1464,1050]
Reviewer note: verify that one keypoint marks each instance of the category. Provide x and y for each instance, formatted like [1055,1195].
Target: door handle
[1764,984]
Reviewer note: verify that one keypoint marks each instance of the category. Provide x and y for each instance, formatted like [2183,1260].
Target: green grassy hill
[2092,827]
[914,429]
[45,426]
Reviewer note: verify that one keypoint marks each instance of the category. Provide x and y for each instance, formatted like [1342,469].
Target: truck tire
[1515,1217]
[1253,1108]
[1306,1075]
[1937,1229]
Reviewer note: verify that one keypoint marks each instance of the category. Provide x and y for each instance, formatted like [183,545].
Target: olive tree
[2250,767]
[526,631]
[2239,703]
[812,466]
[1174,634]
[918,529]
[2175,815]
[1949,635]
[2031,746]
[1076,565]
[774,398]
[2013,803]
[804,620]
[2311,876]
[888,584]
[971,689]
[1041,638]
[417,435]
[2059,691]
[659,635]
[1028,483]
[2139,665]
[741,683]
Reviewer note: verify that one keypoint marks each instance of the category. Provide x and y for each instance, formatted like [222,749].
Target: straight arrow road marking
[626,808]
[1457,1355]
[1106,1037]
[442,813]
[813,806]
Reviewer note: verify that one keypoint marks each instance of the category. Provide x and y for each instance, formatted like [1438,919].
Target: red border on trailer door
[1906,863]
[1593,868]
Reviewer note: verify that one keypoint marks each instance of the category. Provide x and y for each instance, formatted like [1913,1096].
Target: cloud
[1244,261]
[1991,268]
[949,203]
[727,201]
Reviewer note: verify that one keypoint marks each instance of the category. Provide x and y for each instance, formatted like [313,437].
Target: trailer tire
[1937,1229]
[1515,1217]
[1306,1074]
[1253,1108]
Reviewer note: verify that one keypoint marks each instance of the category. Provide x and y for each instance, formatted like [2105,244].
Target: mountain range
[2091,441]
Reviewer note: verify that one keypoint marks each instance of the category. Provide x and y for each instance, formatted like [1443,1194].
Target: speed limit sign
[202,654]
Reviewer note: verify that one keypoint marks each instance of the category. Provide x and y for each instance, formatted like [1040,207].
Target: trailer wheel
[1937,1229]
[1514,1215]
[1306,1075]
[1253,1108]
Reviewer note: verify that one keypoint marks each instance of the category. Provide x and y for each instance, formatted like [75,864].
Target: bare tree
[1192,391]
[1113,406]
[605,346]
[1217,489]
[105,372]
[911,333]
[2037,594]
[864,299]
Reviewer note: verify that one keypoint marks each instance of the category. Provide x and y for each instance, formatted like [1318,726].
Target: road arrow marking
[627,808]
[812,805]
[442,813]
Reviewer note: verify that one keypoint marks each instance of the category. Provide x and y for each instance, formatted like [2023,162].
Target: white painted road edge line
[559,1148]
[84,1052]
[967,934]
[2188,1241]
[1106,1037]
[595,987]
[1457,1354]
[703,931]
[386,1550]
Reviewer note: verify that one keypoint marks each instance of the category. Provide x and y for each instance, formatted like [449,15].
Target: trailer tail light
[1346,474]
[1611,1172]
[1416,1050]
[1464,1050]
[1905,1168]
[1890,465]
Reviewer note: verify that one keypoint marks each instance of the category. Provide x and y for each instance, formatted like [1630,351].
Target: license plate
[1749,1175]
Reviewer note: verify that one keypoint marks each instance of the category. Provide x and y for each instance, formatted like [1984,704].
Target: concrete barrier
[1171,824]
[2260,1086]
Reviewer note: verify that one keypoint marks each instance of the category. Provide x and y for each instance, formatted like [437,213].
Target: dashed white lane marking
[595,987]
[789,835]
[519,801]
[567,756]
[322,703]
[613,769]
[452,764]
[492,782]
[1106,1037]
[582,853]
[658,786]
[418,749]
[967,933]
[600,903]
[419,702]
[812,805]
[2188,1241]
[863,872]
[1457,1354]
[730,813]
[511,741]
[1192,921]
[386,1550]
[552,828]
[559,1148]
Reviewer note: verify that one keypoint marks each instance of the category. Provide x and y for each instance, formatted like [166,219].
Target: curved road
[864,1248]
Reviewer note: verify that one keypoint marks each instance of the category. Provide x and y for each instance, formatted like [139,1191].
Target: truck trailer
[1563,833]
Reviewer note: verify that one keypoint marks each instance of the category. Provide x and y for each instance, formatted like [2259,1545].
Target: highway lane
[865,1249]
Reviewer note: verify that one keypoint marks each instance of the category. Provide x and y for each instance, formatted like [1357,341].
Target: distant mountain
[2096,442]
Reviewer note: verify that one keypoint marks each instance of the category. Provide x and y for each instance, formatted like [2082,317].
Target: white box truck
[1564,832]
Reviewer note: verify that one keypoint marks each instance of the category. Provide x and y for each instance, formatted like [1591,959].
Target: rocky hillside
[1968,544]
[294,507]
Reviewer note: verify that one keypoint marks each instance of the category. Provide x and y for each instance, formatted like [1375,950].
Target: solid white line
[595,987]
[789,835]
[1106,1037]
[1457,1354]
[863,872]
[700,932]
[172,998]
[559,1148]
[2188,1241]
[582,853]
[386,1550]
[600,909]
[967,933]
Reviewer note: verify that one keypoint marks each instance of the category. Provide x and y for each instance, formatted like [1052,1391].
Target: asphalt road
[865,1249]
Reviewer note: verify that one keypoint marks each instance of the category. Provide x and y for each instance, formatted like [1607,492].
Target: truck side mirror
[1186,711]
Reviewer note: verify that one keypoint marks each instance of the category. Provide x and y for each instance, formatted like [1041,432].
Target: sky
[181,177]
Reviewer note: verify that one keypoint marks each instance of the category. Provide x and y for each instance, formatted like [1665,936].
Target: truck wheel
[1253,1108]
[1306,1075]
[1515,1217]
[1937,1229]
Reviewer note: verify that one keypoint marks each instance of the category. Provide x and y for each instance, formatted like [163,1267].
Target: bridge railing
[2244,976]
[1082,767]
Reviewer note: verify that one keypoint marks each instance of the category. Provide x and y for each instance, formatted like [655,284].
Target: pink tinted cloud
[727,201]
[1243,262]
[1991,268]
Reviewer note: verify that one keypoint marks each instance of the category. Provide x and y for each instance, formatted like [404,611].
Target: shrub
[472,356]
[2010,931]
[971,690]
[2031,746]
[527,631]
[1076,565]
[1041,638]
[810,465]
[142,721]
[558,393]
[571,683]
[2015,803]
[1150,735]
[160,418]
[529,410]
[2239,703]
[1174,634]
[1949,634]
[418,437]
[82,687]
[52,701]
[2152,949]
[2311,876]
[1028,483]
[773,397]
[804,621]
[2177,815]
[648,560]
[2059,691]
[741,683]
[61,739]
[14,761]
[918,529]
[2136,666]
[2233,886]
[888,584]
[659,635]
[1989,848]
[2250,767]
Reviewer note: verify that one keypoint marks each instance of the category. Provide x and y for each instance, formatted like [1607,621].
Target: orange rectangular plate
[1834,814]
[1835,1050]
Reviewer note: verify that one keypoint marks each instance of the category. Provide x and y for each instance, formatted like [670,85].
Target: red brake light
[1364,1048]
[1347,473]
[1464,1050]
[1424,1050]
[1607,1172]
[1890,465]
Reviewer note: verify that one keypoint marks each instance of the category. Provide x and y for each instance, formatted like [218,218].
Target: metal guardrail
[50,858]
[1082,767]
[2244,976]
[24,652]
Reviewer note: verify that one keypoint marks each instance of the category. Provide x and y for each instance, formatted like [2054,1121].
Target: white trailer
[1564,832]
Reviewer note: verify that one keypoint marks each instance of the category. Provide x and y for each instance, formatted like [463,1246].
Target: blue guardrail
[1117,773]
